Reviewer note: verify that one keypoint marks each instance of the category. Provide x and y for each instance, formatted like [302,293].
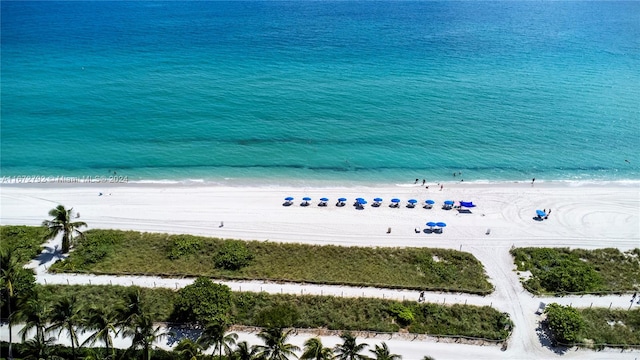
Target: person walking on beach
[532,181]
[441,186]
[423,181]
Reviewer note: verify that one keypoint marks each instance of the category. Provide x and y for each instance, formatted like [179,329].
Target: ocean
[343,92]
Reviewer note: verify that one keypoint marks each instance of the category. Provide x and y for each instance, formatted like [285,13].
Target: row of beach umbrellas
[362,201]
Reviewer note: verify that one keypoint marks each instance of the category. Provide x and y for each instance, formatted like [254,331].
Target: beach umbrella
[441,224]
[361,201]
[541,213]
[377,199]
[412,201]
[306,198]
[448,202]
[394,200]
[288,198]
[431,224]
[324,199]
[430,202]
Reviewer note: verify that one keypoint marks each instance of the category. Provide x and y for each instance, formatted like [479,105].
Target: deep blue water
[321,90]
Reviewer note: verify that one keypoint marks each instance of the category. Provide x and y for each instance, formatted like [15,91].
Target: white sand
[584,216]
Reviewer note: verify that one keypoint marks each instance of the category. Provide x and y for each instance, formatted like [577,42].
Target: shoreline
[73,182]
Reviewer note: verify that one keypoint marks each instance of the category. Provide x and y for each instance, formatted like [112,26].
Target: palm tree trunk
[73,343]
[10,355]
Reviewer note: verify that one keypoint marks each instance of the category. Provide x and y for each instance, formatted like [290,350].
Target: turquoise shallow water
[340,91]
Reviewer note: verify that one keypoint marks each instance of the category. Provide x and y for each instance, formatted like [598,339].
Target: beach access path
[586,216]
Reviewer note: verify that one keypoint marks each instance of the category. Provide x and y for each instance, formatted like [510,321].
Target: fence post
[89,281]
[610,305]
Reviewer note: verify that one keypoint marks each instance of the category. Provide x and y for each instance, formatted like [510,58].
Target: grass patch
[615,327]
[251,309]
[130,252]
[24,242]
[560,270]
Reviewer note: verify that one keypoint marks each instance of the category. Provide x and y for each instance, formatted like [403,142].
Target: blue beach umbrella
[306,198]
[288,198]
[342,199]
[541,213]
[431,224]
[412,201]
[394,200]
[441,224]
[324,199]
[430,202]
[377,199]
[448,202]
[361,201]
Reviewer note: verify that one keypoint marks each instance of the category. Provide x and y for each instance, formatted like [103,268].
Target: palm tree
[144,334]
[65,315]
[382,353]
[349,350]
[33,313]
[103,323]
[61,224]
[188,349]
[10,274]
[313,350]
[214,334]
[275,345]
[244,352]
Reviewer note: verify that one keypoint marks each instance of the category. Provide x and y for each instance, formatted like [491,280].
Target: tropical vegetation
[129,252]
[562,270]
[63,224]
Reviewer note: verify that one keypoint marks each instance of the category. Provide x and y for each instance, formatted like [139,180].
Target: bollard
[240,288]
[465,301]
[591,305]
[610,306]
[154,284]
[342,294]
[67,281]
[110,283]
[45,282]
[176,285]
[89,281]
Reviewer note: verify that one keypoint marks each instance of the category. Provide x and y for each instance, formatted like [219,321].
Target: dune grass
[561,270]
[130,252]
[24,242]
[614,327]
[334,313]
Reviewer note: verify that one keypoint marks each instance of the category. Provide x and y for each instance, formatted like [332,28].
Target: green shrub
[233,255]
[564,322]
[203,302]
[182,245]
[404,315]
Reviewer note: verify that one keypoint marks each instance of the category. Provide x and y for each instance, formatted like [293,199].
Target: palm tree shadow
[178,333]
[50,255]
[546,339]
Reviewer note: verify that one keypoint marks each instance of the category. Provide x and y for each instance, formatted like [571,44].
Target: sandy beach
[582,215]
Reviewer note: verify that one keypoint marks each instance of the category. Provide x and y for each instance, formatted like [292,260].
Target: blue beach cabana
[305,201]
[395,203]
[448,204]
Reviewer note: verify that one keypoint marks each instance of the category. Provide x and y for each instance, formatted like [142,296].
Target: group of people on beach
[427,186]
